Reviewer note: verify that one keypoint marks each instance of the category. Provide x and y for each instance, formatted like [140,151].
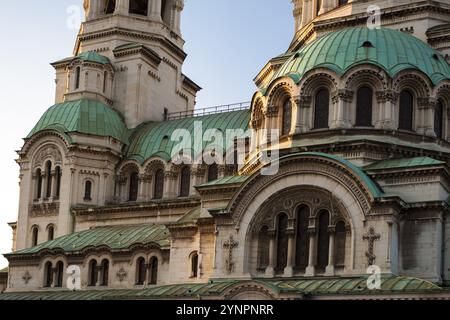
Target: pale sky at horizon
[227,41]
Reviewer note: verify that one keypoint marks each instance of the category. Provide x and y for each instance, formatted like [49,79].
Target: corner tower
[137,52]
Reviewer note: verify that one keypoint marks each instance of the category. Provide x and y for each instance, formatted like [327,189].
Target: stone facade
[360,190]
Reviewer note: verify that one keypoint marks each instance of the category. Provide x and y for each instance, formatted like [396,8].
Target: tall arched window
[364,107]
[185,182]
[38,184]
[263,248]
[282,242]
[341,235]
[105,81]
[323,244]
[51,233]
[59,274]
[287,118]
[77,77]
[139,7]
[213,172]
[439,120]
[322,109]
[141,272]
[34,236]
[194,265]
[48,168]
[58,175]
[134,187]
[159,185]
[406,111]
[153,277]
[93,273]
[302,245]
[48,275]
[105,272]
[88,191]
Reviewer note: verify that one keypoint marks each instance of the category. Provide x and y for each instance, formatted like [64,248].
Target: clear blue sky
[227,41]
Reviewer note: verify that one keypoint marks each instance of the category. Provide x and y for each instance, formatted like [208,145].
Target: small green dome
[83,116]
[92,56]
[389,49]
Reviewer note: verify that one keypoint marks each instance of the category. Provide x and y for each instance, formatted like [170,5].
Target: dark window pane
[153,271]
[110,6]
[134,186]
[88,191]
[194,265]
[323,241]
[35,237]
[282,243]
[439,120]
[406,111]
[322,109]
[213,172]
[59,274]
[51,233]
[287,117]
[342,2]
[142,271]
[93,273]
[58,181]
[105,272]
[302,246]
[185,184]
[48,275]
[263,249]
[139,7]
[49,179]
[364,107]
[159,184]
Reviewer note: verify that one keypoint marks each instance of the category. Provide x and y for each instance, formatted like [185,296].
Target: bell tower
[131,57]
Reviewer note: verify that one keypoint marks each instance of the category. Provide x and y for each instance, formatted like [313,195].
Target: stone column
[98,270]
[427,108]
[122,7]
[270,270]
[298,10]
[329,271]
[289,270]
[143,178]
[170,185]
[341,99]
[44,185]
[198,173]
[304,13]
[155,10]
[296,117]
[387,101]
[311,269]
[177,8]
[53,191]
[271,117]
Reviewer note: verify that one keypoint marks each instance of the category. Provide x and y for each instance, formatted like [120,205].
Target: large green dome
[389,49]
[83,116]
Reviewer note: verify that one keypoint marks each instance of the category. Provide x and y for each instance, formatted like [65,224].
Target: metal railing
[209,111]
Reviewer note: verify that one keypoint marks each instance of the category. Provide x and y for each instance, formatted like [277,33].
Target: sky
[227,42]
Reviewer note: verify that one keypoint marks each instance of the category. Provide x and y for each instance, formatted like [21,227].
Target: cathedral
[333,183]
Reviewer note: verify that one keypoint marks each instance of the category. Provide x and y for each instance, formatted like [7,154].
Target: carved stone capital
[388,95]
[272,112]
[342,95]
[426,103]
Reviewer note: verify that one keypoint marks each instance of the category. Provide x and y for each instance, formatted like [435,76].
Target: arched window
[34,236]
[194,265]
[406,111]
[38,184]
[77,77]
[153,277]
[105,272]
[139,7]
[439,120]
[48,275]
[322,109]
[159,184]
[105,81]
[48,168]
[282,243]
[323,243]
[141,272]
[59,274]
[88,191]
[185,182]
[110,6]
[287,118]
[364,107]
[263,248]
[213,172]
[341,235]
[93,274]
[302,245]
[134,186]
[58,175]
[51,233]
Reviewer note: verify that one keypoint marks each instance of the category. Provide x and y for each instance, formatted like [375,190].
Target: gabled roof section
[115,238]
[91,56]
[237,179]
[83,116]
[404,163]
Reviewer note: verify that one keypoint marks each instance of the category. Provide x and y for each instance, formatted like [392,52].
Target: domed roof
[389,49]
[83,116]
[92,56]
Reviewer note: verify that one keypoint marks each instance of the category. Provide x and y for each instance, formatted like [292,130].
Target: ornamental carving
[367,75]
[49,209]
[344,95]
[313,81]
[49,152]
[388,95]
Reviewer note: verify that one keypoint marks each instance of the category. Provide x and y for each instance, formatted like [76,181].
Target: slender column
[428,106]
[155,10]
[122,7]
[330,268]
[289,270]
[170,185]
[53,271]
[270,270]
[53,191]
[98,270]
[311,270]
[340,100]
[296,117]
[178,7]
[44,185]
[304,13]
[142,184]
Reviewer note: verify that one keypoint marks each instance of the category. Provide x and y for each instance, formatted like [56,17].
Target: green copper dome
[83,116]
[92,56]
[389,49]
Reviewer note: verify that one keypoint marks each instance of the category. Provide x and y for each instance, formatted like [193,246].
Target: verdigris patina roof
[115,238]
[155,139]
[390,285]
[388,49]
[83,116]
[92,56]
[237,179]
[404,163]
